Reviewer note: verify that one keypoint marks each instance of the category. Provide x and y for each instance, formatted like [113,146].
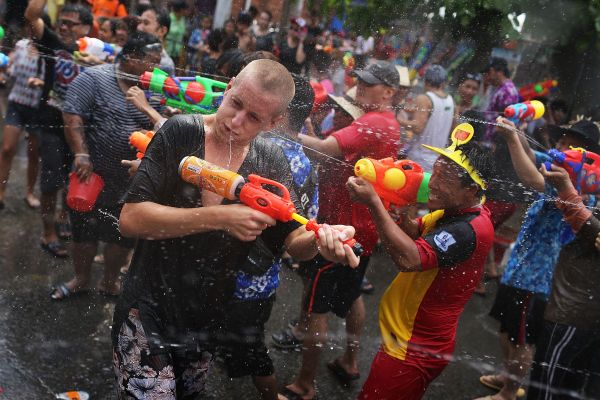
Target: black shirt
[180,285]
[287,57]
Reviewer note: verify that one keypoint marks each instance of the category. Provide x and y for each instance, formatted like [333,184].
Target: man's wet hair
[477,121]
[214,40]
[233,62]
[480,159]
[85,15]
[301,104]
[139,43]
[244,18]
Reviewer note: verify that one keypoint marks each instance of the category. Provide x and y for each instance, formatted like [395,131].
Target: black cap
[499,64]
[380,73]
[585,129]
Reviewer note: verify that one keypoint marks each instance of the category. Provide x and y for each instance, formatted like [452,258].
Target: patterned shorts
[166,376]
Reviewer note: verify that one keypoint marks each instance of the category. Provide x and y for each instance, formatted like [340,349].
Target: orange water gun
[140,142]
[253,193]
[397,182]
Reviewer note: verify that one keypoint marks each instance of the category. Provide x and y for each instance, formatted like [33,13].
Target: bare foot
[32,201]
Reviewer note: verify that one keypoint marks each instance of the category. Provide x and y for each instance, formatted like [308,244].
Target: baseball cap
[435,75]
[380,73]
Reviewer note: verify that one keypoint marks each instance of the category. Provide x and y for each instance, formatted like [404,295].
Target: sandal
[32,202]
[291,395]
[492,382]
[285,339]
[55,248]
[64,291]
[63,230]
[339,371]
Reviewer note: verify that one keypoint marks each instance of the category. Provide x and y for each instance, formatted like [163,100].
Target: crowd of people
[194,274]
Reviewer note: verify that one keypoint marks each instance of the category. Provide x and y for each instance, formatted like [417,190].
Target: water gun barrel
[140,142]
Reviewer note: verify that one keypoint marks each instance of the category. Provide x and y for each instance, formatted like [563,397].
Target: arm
[571,204]
[521,156]
[398,244]
[300,53]
[33,14]
[328,146]
[75,135]
[150,220]
[421,115]
[302,244]
[136,96]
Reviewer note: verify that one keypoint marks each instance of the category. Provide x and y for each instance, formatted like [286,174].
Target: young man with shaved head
[192,241]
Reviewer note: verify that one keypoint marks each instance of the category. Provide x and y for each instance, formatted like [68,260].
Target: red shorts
[393,379]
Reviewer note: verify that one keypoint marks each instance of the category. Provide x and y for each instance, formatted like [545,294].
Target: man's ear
[230,84]
[162,32]
[275,122]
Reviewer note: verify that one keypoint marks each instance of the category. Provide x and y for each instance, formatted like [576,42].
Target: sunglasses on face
[153,47]
[68,23]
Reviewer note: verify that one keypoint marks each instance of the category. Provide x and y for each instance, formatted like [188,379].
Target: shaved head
[273,78]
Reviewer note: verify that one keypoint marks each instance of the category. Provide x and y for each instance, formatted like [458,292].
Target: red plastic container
[82,195]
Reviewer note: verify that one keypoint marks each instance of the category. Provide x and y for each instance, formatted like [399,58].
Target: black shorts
[100,224]
[332,287]
[22,117]
[54,151]
[242,342]
[520,313]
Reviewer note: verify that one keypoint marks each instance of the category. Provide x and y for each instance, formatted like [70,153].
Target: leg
[33,162]
[48,209]
[517,367]
[10,141]
[315,338]
[266,386]
[115,256]
[354,325]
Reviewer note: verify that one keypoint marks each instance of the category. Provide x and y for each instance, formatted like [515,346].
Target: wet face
[263,21]
[569,139]
[445,179]
[371,97]
[147,61]
[121,36]
[105,33]
[149,24]
[246,110]
[229,28]
[468,89]
[70,27]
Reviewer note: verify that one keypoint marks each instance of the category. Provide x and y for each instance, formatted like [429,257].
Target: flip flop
[65,292]
[291,395]
[55,248]
[341,373]
[492,383]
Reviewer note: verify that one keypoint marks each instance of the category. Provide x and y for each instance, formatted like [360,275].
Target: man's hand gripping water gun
[583,168]
[396,182]
[195,95]
[253,194]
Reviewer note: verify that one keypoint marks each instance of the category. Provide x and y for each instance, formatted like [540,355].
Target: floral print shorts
[166,376]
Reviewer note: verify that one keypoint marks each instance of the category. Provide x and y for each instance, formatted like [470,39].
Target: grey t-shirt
[109,120]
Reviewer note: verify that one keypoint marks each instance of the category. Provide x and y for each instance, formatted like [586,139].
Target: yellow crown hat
[462,134]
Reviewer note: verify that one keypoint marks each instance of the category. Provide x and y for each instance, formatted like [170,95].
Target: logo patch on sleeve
[443,240]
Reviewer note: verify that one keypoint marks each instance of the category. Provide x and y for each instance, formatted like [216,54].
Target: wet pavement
[50,347]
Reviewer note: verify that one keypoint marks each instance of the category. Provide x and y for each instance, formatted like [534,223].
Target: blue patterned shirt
[543,234]
[252,287]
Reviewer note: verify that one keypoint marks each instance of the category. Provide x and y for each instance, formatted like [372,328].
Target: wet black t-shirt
[180,285]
